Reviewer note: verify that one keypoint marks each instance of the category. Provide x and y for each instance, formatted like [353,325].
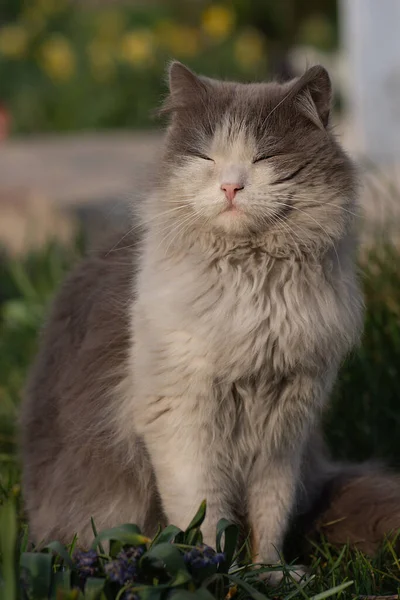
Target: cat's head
[254,159]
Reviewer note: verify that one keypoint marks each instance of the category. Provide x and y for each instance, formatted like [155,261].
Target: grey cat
[194,361]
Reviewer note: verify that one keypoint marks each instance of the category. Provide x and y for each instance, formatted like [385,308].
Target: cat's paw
[275,577]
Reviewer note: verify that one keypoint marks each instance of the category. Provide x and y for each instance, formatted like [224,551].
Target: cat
[194,358]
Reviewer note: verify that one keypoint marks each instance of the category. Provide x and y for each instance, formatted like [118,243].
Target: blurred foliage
[25,290]
[65,65]
[365,417]
[176,565]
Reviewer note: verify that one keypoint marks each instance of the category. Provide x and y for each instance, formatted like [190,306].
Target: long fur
[195,360]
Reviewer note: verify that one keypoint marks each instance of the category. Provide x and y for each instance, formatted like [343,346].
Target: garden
[69,67]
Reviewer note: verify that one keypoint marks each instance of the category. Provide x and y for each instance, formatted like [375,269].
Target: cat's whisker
[177,229]
[333,205]
[185,225]
[286,228]
[319,225]
[140,225]
[310,201]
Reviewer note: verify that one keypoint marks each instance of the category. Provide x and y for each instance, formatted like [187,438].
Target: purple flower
[218,558]
[131,553]
[86,563]
[124,568]
[203,556]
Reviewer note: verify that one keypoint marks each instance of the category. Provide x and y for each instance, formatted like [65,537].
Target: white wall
[370,32]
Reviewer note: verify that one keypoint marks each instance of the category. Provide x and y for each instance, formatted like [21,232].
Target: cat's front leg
[276,474]
[272,489]
[188,466]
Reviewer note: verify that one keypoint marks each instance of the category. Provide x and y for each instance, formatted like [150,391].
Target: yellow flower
[110,25]
[218,21]
[13,41]
[101,60]
[179,40]
[250,49]
[137,47]
[57,58]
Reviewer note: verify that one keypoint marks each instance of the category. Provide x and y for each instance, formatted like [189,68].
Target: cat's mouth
[232,218]
[232,209]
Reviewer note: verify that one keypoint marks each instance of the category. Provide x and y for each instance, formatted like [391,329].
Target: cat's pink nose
[230,190]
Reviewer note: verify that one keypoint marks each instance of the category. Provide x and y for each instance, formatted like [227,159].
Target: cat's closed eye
[200,155]
[263,157]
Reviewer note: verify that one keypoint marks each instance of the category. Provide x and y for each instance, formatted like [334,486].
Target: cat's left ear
[186,89]
[313,95]
[183,82]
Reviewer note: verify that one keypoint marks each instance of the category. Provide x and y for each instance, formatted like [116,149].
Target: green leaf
[115,548]
[246,587]
[181,577]
[198,517]
[95,533]
[72,545]
[39,568]
[126,534]
[194,537]
[332,591]
[152,593]
[61,582]
[169,557]
[200,594]
[168,534]
[230,531]
[61,551]
[8,539]
[203,594]
[204,573]
[25,538]
[182,595]
[93,588]
[74,594]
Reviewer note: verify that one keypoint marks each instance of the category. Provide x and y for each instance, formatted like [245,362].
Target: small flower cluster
[124,568]
[86,562]
[203,556]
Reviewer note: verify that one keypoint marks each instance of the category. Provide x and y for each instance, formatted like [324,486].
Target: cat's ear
[185,88]
[313,95]
[182,81]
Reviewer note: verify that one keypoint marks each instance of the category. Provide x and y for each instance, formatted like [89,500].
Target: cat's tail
[357,504]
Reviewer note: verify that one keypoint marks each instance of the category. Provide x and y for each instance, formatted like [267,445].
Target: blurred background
[68,66]
[78,82]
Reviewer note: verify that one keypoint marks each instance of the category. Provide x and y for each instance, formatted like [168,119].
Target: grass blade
[332,591]
[230,531]
[8,541]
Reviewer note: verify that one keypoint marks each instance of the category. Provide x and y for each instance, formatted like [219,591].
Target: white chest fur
[227,320]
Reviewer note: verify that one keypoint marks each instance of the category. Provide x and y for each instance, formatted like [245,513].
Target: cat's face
[244,159]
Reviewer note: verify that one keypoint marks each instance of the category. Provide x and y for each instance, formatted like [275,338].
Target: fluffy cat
[195,360]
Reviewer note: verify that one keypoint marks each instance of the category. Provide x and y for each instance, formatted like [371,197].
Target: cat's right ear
[185,88]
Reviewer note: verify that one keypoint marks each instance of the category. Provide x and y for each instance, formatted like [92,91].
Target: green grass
[363,422]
